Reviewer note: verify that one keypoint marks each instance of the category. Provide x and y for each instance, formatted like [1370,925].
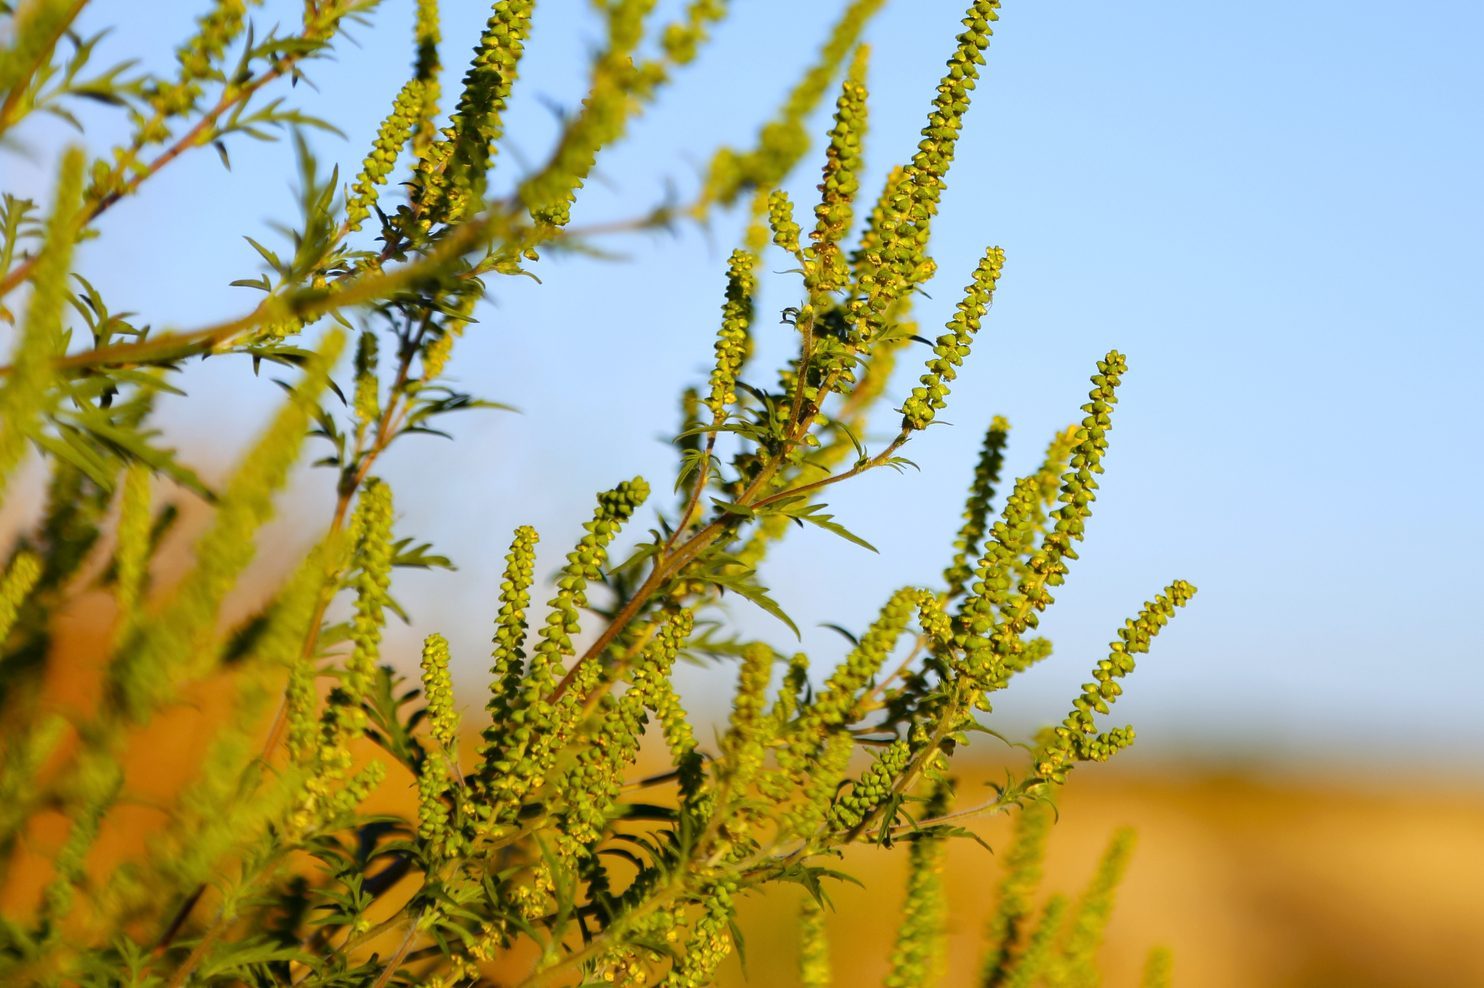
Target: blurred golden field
[1290,883]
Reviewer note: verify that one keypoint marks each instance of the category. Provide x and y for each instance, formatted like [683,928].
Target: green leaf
[734,509]
[240,956]
[405,554]
[813,514]
[755,593]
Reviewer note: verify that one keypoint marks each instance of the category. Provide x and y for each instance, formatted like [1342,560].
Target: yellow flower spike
[1023,869]
[785,139]
[748,731]
[1076,738]
[682,39]
[966,545]
[1031,964]
[651,680]
[894,259]
[781,220]
[540,724]
[131,557]
[434,821]
[919,957]
[828,270]
[426,34]
[620,86]
[395,131]
[826,771]
[710,941]
[835,705]
[1089,917]
[20,577]
[200,56]
[1000,609]
[1158,969]
[873,787]
[931,394]
[507,664]
[367,401]
[814,946]
[372,527]
[733,340]
[174,647]
[594,778]
[443,720]
[452,176]
[95,787]
[26,391]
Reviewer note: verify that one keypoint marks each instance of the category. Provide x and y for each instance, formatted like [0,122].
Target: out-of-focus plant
[536,847]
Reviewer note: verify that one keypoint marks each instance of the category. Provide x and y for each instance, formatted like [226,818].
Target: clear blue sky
[1277,215]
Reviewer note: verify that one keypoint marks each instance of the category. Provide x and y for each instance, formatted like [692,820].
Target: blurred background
[1277,218]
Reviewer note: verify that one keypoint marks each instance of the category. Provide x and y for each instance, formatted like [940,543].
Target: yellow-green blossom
[507,664]
[781,218]
[1076,738]
[1031,964]
[1158,969]
[733,340]
[443,720]
[20,577]
[26,391]
[1023,868]
[976,508]
[709,942]
[828,270]
[814,946]
[929,397]
[920,954]
[1089,917]
[785,139]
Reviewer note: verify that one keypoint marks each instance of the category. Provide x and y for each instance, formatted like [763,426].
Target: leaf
[860,450]
[812,514]
[67,449]
[266,254]
[642,552]
[243,955]
[842,632]
[741,944]
[734,509]
[690,465]
[134,445]
[418,557]
[897,463]
[755,593]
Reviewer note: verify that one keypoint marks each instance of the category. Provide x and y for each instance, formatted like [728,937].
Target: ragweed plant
[536,846]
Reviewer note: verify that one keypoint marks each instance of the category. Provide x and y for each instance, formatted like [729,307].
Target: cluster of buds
[1077,738]
[451,176]
[733,342]
[199,56]
[931,394]
[395,131]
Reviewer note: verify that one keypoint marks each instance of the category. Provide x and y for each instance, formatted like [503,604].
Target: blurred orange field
[1250,881]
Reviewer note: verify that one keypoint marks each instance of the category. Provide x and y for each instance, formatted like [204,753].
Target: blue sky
[1278,218]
